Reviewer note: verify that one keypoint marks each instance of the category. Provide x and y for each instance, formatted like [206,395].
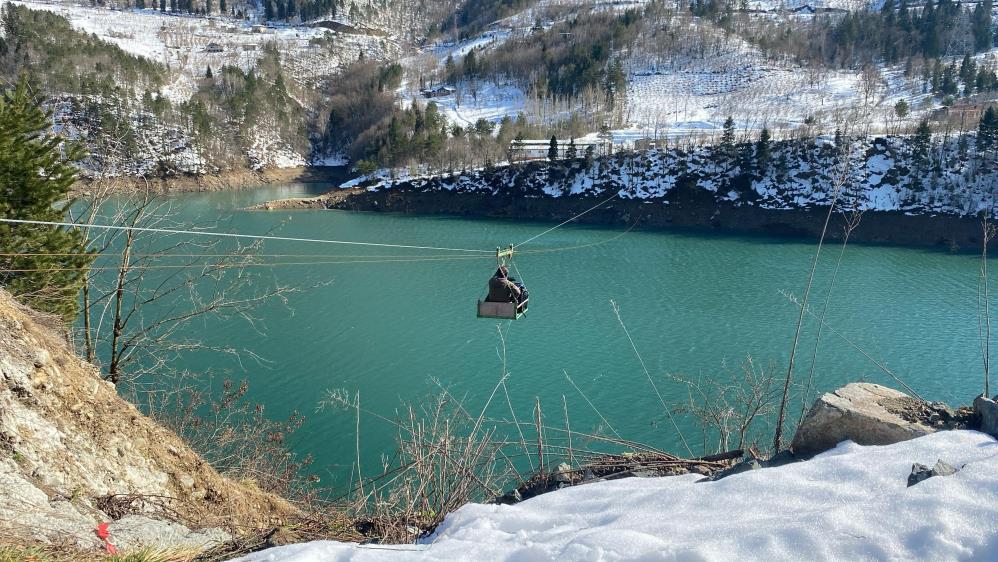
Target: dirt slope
[74,454]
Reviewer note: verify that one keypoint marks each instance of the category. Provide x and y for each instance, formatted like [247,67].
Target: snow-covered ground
[684,79]
[851,503]
[702,76]
[851,5]
[883,174]
[473,99]
[181,42]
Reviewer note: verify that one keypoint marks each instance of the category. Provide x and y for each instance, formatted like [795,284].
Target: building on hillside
[646,143]
[438,92]
[214,48]
[537,149]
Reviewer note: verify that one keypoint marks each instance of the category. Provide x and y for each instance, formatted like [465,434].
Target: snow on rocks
[189,44]
[269,151]
[883,176]
[851,503]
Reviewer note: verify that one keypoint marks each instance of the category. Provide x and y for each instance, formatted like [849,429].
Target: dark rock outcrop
[920,472]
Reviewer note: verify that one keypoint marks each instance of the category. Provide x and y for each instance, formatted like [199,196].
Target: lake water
[695,305]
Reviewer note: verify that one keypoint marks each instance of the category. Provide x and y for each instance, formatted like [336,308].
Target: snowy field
[850,503]
[714,76]
[781,5]
[181,42]
[690,88]
[472,100]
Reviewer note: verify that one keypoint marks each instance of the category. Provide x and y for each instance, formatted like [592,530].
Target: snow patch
[851,503]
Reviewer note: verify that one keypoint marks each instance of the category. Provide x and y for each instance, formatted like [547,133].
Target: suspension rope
[241,265]
[231,235]
[593,208]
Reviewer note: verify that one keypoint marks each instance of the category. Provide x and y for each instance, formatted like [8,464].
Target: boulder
[866,413]
[920,472]
[987,410]
[134,532]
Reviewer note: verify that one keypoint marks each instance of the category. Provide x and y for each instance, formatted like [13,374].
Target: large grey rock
[27,513]
[987,409]
[866,413]
[137,531]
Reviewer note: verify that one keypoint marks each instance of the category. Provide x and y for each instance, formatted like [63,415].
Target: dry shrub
[445,458]
[732,409]
[235,436]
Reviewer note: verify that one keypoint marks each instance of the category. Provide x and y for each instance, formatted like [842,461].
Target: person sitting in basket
[504,289]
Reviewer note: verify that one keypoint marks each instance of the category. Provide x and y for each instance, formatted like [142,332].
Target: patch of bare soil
[931,414]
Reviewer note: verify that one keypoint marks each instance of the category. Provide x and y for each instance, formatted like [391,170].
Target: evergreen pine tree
[553,149]
[763,151]
[728,138]
[901,109]
[571,153]
[904,17]
[36,174]
[921,143]
[221,7]
[930,31]
[987,130]
[981,26]
[965,68]
[450,72]
[470,64]
[207,73]
[589,155]
[516,147]
[949,86]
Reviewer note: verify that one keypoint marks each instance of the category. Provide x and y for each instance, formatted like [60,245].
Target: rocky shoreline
[681,210]
[221,181]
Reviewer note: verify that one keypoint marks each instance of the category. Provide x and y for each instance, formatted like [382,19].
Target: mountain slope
[74,454]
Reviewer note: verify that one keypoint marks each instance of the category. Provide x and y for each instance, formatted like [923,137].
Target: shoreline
[681,211]
[221,181]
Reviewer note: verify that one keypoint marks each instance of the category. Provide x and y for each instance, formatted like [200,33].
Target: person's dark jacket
[501,289]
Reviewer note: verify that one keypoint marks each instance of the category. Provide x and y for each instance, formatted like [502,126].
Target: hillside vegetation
[198,87]
[931,176]
[73,453]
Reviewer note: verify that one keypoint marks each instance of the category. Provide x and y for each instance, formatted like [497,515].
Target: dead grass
[51,553]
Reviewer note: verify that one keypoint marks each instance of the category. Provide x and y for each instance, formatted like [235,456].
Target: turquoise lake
[695,305]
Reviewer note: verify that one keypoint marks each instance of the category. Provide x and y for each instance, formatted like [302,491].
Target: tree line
[899,31]
[565,59]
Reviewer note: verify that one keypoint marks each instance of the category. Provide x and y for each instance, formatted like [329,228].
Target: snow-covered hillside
[850,503]
[882,175]
[685,76]
[188,45]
